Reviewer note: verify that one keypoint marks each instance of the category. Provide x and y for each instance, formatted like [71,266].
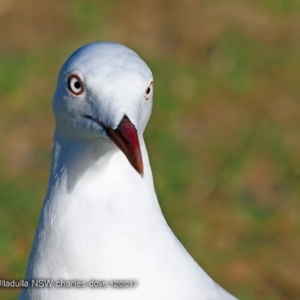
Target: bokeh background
[224,137]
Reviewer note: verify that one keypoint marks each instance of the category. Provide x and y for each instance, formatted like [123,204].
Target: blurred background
[224,136]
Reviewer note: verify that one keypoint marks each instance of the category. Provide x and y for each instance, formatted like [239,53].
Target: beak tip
[138,166]
[142,173]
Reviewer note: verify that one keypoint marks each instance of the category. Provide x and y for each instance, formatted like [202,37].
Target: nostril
[89,117]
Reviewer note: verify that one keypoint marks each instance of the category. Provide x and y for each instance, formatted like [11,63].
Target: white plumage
[101,219]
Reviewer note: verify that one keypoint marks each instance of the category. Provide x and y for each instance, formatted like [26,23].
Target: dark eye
[149,90]
[75,85]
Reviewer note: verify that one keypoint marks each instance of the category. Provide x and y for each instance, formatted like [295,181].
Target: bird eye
[149,90]
[75,85]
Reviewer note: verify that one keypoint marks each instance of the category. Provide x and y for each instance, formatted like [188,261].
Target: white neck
[99,158]
[105,223]
[92,189]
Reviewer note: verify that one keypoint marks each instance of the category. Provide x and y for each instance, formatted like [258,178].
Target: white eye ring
[75,84]
[149,91]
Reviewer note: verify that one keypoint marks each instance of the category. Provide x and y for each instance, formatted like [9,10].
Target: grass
[223,139]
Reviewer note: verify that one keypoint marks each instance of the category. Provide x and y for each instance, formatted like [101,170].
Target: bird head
[104,91]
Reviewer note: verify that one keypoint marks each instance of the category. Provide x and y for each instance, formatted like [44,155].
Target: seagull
[101,226]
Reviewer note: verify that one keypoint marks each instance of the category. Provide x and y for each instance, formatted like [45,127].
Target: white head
[104,91]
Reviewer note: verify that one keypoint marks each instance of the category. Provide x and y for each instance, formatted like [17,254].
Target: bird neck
[93,193]
[94,166]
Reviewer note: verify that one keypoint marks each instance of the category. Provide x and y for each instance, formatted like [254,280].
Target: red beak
[126,138]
